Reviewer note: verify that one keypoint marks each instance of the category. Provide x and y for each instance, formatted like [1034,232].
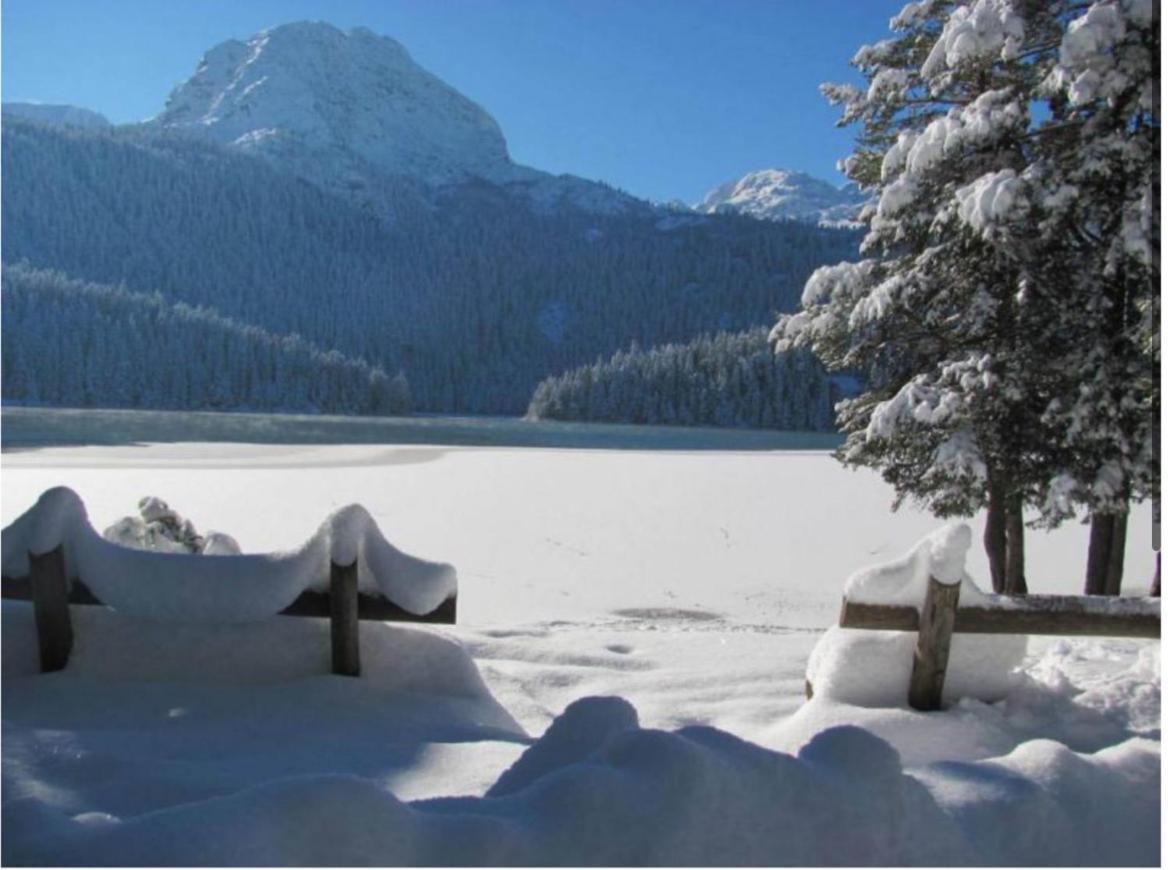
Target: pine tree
[958,314]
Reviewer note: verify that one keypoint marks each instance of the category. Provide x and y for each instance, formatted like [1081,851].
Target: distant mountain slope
[56,115]
[780,194]
[347,110]
[475,299]
[79,344]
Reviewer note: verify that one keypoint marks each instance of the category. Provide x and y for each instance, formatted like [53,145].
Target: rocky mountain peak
[342,101]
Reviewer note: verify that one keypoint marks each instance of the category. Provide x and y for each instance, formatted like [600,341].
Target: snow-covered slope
[56,115]
[780,194]
[348,109]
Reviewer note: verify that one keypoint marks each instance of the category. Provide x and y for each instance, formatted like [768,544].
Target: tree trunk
[994,540]
[1116,554]
[1014,582]
[1096,571]
[1156,586]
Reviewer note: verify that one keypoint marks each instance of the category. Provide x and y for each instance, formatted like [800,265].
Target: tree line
[79,344]
[725,379]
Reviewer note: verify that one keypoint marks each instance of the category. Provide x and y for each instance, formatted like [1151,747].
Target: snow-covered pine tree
[986,153]
[1094,187]
[933,314]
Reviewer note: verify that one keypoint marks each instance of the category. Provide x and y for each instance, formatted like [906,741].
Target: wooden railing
[51,594]
[941,617]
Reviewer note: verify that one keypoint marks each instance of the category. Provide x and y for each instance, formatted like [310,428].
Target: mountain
[55,115]
[780,194]
[351,111]
[284,193]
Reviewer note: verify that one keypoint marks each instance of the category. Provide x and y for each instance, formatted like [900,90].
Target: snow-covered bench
[347,571]
[929,592]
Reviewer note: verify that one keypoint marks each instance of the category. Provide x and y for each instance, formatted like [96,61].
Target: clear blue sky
[663,98]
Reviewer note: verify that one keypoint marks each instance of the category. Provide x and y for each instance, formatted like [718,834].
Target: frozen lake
[39,427]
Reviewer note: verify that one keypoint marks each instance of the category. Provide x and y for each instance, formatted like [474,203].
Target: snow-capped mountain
[56,115]
[781,194]
[348,110]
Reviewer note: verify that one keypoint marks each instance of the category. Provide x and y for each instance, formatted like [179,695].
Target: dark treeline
[727,379]
[474,296]
[78,344]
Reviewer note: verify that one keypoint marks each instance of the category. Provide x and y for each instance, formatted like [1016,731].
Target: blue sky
[663,98]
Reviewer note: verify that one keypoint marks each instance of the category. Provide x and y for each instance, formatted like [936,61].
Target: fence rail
[941,617]
[51,594]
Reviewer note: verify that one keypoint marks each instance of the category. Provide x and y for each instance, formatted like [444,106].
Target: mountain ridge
[55,114]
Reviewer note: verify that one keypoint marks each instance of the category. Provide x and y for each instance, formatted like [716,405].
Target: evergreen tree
[957,314]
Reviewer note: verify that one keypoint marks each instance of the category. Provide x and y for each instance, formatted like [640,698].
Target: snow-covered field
[693,585]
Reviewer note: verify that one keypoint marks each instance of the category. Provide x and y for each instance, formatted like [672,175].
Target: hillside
[475,299]
[77,344]
[728,379]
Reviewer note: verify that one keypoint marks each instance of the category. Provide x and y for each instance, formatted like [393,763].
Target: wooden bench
[51,594]
[996,614]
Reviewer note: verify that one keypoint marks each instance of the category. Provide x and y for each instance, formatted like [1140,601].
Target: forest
[79,344]
[473,297]
[725,379]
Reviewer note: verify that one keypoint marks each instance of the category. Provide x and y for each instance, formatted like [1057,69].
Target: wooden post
[50,597]
[933,649]
[343,619]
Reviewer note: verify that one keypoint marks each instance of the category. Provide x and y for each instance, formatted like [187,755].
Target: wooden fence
[941,617]
[51,594]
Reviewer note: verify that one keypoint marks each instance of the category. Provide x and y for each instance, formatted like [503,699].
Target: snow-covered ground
[694,585]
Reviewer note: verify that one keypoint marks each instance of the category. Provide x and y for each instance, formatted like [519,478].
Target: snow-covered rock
[56,115]
[159,527]
[348,109]
[781,194]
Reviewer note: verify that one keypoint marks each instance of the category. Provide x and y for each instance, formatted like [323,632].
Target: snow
[942,555]
[625,685]
[992,199]
[182,586]
[986,27]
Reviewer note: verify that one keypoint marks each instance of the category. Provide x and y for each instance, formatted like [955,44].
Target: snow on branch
[184,587]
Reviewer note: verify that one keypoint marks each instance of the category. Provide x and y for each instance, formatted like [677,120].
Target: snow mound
[581,730]
[110,647]
[696,796]
[941,554]
[872,668]
[184,587]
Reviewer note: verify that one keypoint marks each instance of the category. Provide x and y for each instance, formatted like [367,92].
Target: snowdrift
[872,668]
[221,588]
[598,789]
